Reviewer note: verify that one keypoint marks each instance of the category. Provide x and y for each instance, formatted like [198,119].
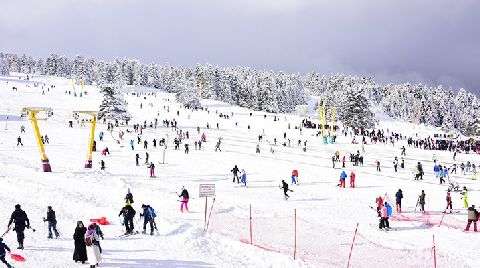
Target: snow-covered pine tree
[3,65]
[113,106]
[355,111]
[188,94]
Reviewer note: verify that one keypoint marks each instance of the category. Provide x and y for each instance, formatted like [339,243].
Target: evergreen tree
[113,105]
[355,111]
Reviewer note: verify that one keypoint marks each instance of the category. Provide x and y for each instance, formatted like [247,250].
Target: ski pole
[8,229]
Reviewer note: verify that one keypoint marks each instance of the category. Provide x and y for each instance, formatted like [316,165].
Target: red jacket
[352,176]
[379,202]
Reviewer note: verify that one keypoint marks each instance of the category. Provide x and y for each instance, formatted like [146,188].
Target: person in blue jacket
[244,178]
[435,170]
[343,176]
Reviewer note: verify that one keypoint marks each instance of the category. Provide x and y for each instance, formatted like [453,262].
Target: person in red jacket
[352,178]
[379,202]
[449,202]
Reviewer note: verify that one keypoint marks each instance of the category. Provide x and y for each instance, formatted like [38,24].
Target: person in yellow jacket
[464,194]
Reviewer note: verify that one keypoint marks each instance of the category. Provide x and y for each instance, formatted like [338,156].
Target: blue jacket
[343,175]
[435,168]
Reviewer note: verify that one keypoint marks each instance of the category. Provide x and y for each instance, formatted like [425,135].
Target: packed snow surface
[327,215]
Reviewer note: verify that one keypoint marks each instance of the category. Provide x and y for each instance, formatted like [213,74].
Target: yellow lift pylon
[32,113]
[93,114]
[323,123]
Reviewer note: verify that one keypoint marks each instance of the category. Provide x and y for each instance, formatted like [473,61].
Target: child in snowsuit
[4,247]
[244,178]
[343,176]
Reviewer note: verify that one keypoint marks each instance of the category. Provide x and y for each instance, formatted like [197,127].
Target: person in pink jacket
[384,217]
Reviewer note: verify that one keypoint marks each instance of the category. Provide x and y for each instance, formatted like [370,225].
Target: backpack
[151,211]
[89,241]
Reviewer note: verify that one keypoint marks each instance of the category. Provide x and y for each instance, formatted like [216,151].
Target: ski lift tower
[93,114]
[32,112]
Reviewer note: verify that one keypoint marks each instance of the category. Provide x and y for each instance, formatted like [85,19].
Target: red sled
[101,221]
[17,257]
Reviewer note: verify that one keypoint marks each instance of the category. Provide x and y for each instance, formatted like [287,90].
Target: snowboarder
[464,194]
[3,249]
[52,223]
[128,213]
[19,141]
[148,218]
[421,201]
[93,251]
[21,222]
[137,157]
[244,178]
[152,170]
[398,200]
[352,180]
[185,197]
[472,217]
[343,176]
[235,171]
[80,251]
[285,189]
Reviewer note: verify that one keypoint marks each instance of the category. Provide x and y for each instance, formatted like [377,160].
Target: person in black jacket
[185,197]
[285,189]
[52,223]
[21,222]
[4,247]
[398,200]
[235,171]
[80,252]
[128,214]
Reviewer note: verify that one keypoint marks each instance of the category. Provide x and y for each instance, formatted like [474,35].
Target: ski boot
[20,246]
[151,232]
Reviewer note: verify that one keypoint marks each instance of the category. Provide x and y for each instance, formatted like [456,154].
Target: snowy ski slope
[327,215]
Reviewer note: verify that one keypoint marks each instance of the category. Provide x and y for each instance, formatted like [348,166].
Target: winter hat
[17,206]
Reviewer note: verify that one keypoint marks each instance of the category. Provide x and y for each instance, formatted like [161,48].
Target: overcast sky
[433,41]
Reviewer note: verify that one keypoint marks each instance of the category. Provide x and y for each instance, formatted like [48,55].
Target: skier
[343,161]
[436,169]
[379,202]
[449,202]
[402,163]
[421,201]
[294,176]
[257,149]
[146,158]
[285,189]
[185,197]
[52,223]
[398,200]
[384,217]
[152,170]
[441,174]
[472,217]
[80,252]
[100,135]
[186,148]
[235,171]
[4,247]
[148,218]
[244,178]
[128,213]
[343,176]
[333,161]
[22,129]
[19,141]
[132,144]
[403,151]
[395,163]
[21,222]
[145,144]
[464,194]
[137,157]
[93,251]
[377,163]
[352,180]
[217,146]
